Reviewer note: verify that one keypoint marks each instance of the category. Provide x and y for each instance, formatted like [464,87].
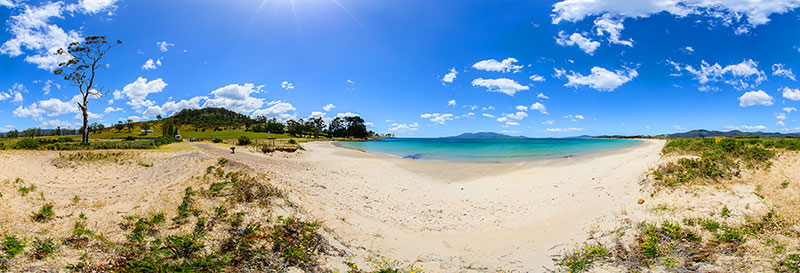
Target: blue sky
[419,68]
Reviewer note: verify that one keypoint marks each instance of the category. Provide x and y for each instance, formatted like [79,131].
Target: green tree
[317,125]
[145,127]
[356,127]
[336,128]
[81,68]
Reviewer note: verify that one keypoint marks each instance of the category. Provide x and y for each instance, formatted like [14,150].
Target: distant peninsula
[485,135]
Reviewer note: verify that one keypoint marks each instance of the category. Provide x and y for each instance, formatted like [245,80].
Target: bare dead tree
[81,71]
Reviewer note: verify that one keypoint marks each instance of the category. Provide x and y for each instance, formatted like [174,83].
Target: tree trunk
[85,133]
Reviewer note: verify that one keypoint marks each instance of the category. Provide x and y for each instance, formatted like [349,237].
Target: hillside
[209,117]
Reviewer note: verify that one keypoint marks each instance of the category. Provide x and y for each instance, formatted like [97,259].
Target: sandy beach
[460,217]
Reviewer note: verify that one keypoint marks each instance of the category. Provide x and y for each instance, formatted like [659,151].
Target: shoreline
[511,216]
[512,160]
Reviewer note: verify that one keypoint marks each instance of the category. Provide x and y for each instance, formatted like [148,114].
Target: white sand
[459,217]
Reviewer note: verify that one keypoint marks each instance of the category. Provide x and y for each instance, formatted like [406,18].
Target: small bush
[582,259]
[292,141]
[42,248]
[216,139]
[790,264]
[12,246]
[44,214]
[243,140]
[26,190]
[27,144]
[297,242]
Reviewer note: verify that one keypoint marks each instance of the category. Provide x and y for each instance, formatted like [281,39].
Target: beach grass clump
[790,263]
[297,242]
[45,213]
[186,208]
[384,266]
[26,190]
[718,159]
[12,246]
[581,259]
[42,248]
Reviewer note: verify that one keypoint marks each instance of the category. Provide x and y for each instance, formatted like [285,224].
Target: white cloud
[792,94]
[779,70]
[755,98]
[780,116]
[451,103]
[781,123]
[9,4]
[48,87]
[538,106]
[537,78]
[522,108]
[689,49]
[746,127]
[30,31]
[95,6]
[287,85]
[518,115]
[277,109]
[584,43]
[542,96]
[558,73]
[164,46]
[487,115]
[236,98]
[347,114]
[564,130]
[399,127]
[328,107]
[741,76]
[14,92]
[138,90]
[55,123]
[172,106]
[678,127]
[548,122]
[728,12]
[574,117]
[151,65]
[438,118]
[449,77]
[111,109]
[789,109]
[493,65]
[601,79]
[608,25]
[317,114]
[50,107]
[502,85]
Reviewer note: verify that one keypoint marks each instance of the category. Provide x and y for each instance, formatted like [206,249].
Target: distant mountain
[484,135]
[734,133]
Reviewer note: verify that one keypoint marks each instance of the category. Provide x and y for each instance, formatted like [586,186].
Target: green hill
[209,117]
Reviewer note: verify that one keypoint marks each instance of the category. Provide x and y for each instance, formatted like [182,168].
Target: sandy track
[458,217]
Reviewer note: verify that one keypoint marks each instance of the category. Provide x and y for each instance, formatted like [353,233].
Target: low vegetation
[683,246]
[717,159]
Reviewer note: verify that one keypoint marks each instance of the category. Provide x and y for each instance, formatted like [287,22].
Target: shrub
[130,138]
[27,144]
[582,259]
[790,264]
[42,248]
[292,141]
[216,140]
[12,246]
[26,190]
[296,242]
[243,140]
[44,214]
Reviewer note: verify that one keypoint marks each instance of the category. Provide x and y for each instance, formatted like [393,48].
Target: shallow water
[487,150]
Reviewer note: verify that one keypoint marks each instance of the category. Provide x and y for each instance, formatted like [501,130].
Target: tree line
[346,127]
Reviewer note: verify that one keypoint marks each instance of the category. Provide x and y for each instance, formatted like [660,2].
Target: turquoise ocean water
[487,150]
